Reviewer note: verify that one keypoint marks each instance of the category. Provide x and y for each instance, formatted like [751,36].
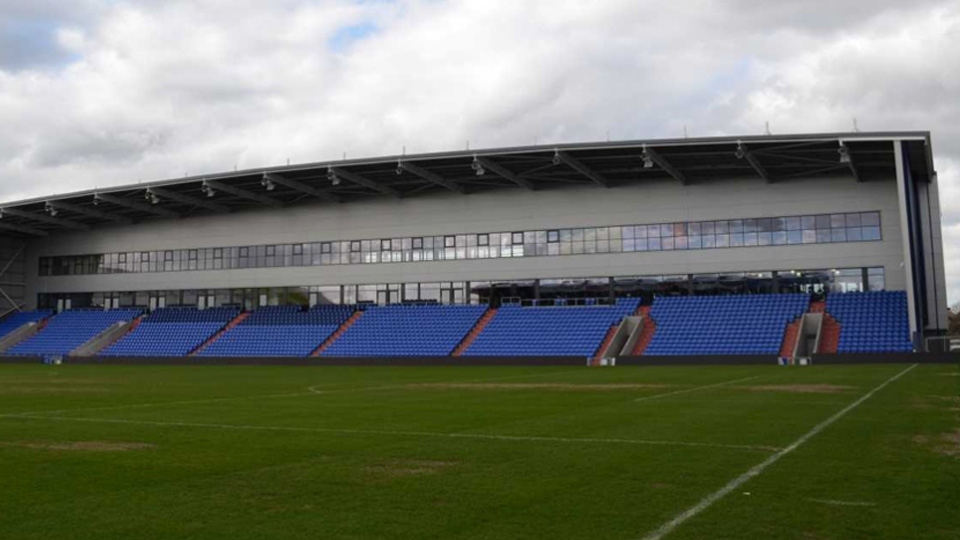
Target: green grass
[475,452]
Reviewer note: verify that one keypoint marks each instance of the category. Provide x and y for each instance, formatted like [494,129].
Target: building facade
[866,223]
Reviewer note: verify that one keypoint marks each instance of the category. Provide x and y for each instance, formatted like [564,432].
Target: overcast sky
[96,93]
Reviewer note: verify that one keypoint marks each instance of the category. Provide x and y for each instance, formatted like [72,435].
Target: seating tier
[708,325]
[549,331]
[407,330]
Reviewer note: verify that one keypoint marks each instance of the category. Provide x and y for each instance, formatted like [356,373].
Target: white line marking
[833,502]
[695,388]
[398,433]
[708,501]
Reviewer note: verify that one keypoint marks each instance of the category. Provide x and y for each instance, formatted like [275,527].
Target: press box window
[271,251]
[553,236]
[355,246]
[298,249]
[418,243]
[325,247]
[385,245]
[517,237]
[449,241]
[483,239]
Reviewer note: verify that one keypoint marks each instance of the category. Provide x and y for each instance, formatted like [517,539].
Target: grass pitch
[479,452]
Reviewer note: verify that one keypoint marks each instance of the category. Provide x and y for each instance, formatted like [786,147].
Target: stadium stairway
[790,337]
[236,320]
[829,330]
[611,333]
[475,331]
[646,334]
[333,337]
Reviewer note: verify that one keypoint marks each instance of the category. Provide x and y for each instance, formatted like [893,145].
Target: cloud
[113,92]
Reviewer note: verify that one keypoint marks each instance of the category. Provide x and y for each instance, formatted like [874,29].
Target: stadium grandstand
[763,245]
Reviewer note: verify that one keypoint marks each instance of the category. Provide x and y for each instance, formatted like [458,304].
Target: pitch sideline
[709,500]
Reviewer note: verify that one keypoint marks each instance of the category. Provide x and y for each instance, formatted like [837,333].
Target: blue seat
[407,330]
[71,329]
[549,331]
[738,324]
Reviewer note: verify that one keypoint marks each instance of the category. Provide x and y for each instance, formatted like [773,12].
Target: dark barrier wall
[20,360]
[341,361]
[707,360]
[887,358]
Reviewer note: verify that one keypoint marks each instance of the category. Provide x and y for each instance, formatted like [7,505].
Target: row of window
[821,229]
[488,292]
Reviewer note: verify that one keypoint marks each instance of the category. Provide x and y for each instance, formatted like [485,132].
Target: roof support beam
[22,230]
[846,158]
[186,199]
[243,193]
[432,177]
[134,205]
[300,186]
[576,165]
[44,219]
[502,172]
[365,182]
[666,166]
[88,212]
[745,153]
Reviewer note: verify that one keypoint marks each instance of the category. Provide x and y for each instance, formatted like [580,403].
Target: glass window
[518,238]
[837,221]
[483,239]
[450,241]
[271,251]
[385,245]
[553,236]
[871,233]
[870,219]
[298,249]
[355,246]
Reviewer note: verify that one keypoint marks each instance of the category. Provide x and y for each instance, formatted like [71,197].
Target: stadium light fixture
[267,183]
[647,160]
[332,177]
[740,151]
[51,210]
[556,157]
[844,153]
[400,165]
[477,166]
[151,196]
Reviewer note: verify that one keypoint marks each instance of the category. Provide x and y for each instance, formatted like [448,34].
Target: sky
[98,93]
